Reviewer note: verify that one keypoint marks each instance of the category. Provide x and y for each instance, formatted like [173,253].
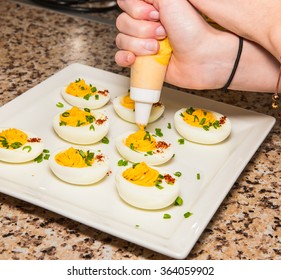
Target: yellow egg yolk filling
[127,102]
[199,118]
[12,138]
[79,88]
[142,175]
[76,117]
[164,53]
[75,158]
[141,141]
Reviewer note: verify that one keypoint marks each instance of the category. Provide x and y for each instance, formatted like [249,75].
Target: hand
[202,56]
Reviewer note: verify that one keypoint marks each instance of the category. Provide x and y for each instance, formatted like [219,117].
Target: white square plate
[99,205]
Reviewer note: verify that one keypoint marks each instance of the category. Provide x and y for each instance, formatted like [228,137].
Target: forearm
[258,21]
[257,70]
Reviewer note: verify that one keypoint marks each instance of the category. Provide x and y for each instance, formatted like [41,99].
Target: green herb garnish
[87,96]
[187,214]
[135,164]
[59,105]
[65,114]
[147,136]
[178,201]
[62,123]
[190,111]
[90,118]
[122,162]
[105,140]
[181,141]
[158,132]
[45,155]
[167,216]
[178,174]
[16,145]
[28,148]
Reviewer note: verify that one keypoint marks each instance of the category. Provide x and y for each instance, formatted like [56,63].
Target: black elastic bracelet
[235,65]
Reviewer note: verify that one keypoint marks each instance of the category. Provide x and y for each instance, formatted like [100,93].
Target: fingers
[139,28]
[124,58]
[136,45]
[139,9]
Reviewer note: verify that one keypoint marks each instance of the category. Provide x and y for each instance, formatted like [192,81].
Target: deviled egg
[81,126]
[124,106]
[202,126]
[17,146]
[144,187]
[143,146]
[79,166]
[83,95]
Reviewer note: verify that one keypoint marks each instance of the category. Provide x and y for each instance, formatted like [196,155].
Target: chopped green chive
[92,127]
[158,132]
[181,141]
[45,155]
[135,164]
[28,148]
[59,105]
[178,201]
[16,145]
[39,158]
[158,186]
[167,216]
[87,110]
[169,126]
[178,174]
[65,114]
[122,162]
[198,176]
[62,123]
[190,110]
[97,97]
[90,118]
[87,96]
[147,136]
[105,140]
[203,120]
[187,214]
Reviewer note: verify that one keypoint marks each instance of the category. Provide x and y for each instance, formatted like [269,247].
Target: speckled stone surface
[34,44]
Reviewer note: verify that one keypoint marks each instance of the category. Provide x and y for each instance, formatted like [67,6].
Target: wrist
[227,45]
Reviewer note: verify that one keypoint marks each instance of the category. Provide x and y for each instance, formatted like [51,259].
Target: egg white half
[83,135]
[91,103]
[149,198]
[29,151]
[129,114]
[159,156]
[83,175]
[200,135]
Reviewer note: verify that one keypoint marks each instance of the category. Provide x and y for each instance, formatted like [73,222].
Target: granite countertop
[34,44]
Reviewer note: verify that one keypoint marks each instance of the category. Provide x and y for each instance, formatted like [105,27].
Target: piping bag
[147,78]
